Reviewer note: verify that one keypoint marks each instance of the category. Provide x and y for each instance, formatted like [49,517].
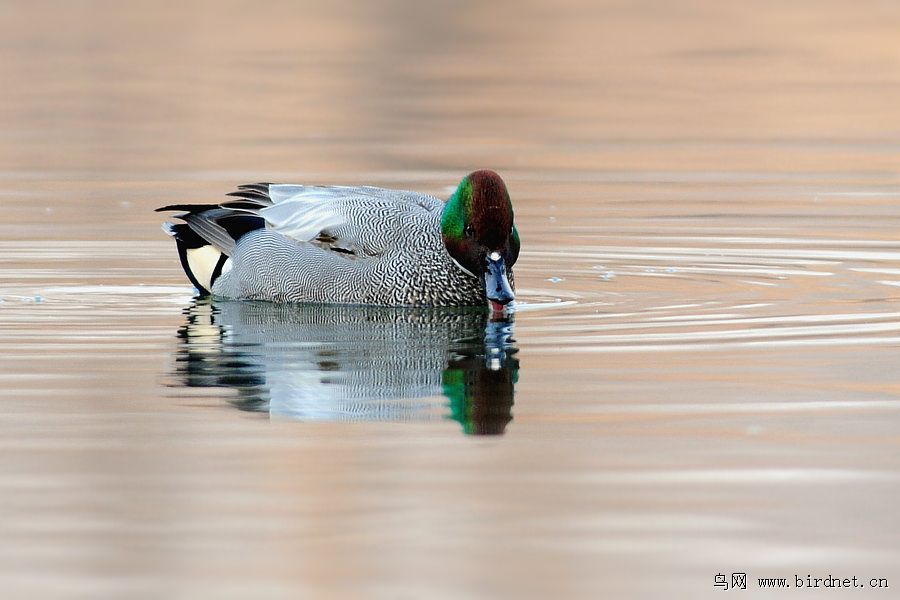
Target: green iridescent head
[479,233]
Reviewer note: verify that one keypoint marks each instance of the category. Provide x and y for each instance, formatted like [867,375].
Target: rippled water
[700,377]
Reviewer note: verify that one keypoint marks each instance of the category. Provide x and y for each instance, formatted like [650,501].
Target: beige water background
[708,349]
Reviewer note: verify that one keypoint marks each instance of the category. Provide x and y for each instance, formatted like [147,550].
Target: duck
[358,245]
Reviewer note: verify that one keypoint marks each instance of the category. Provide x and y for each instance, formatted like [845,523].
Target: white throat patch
[463,269]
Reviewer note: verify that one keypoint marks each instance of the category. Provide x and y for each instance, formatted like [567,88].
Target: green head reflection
[479,382]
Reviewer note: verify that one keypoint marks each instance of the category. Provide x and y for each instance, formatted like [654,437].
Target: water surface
[701,378]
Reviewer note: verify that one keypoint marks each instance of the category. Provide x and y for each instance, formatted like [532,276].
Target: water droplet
[670,270]
[554,279]
[38,299]
[607,276]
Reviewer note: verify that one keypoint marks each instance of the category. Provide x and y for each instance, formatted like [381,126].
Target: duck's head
[479,234]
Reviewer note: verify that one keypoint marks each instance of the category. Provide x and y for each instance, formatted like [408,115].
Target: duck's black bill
[496,285]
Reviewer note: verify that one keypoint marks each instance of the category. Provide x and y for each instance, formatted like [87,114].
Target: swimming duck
[353,245]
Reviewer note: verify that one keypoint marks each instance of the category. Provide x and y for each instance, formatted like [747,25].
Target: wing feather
[348,220]
[303,212]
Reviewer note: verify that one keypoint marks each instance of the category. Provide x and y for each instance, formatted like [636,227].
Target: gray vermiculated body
[394,255]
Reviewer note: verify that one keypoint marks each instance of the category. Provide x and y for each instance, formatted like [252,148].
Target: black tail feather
[185,236]
[208,225]
[236,224]
[191,208]
[186,239]
[251,194]
[259,187]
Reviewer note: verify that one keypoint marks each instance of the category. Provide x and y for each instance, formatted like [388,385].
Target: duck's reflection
[340,363]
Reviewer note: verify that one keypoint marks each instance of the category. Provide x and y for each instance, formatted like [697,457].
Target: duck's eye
[469,231]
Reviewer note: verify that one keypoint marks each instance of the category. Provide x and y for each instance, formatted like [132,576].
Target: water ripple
[734,292]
